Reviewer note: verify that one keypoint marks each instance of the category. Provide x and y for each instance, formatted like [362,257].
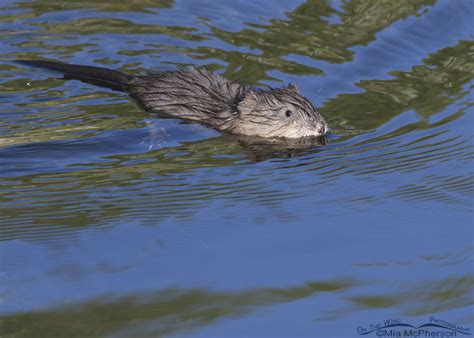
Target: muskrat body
[202,96]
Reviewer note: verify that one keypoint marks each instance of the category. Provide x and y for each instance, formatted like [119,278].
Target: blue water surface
[115,222]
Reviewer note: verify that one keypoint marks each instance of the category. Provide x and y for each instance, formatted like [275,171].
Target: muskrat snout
[322,128]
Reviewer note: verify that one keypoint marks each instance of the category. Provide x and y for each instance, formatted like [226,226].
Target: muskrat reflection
[251,148]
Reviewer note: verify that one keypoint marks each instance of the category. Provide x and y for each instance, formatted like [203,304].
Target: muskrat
[199,95]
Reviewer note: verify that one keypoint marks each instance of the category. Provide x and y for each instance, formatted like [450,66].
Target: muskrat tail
[96,75]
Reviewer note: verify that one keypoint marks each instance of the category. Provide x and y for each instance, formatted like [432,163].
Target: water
[118,223]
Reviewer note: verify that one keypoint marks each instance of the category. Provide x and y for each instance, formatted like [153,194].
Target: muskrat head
[278,113]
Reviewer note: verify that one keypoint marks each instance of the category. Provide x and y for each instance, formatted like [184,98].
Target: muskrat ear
[292,87]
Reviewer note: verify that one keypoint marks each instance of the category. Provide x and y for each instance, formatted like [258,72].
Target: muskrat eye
[288,113]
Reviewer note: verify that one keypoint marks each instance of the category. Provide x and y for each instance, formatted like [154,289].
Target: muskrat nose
[321,128]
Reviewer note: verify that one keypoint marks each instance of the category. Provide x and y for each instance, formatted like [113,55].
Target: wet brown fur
[202,96]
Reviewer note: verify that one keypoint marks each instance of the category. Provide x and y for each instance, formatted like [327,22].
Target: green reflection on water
[121,26]
[164,312]
[426,298]
[307,32]
[41,7]
[428,89]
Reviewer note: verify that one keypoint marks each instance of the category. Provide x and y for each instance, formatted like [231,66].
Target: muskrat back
[200,95]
